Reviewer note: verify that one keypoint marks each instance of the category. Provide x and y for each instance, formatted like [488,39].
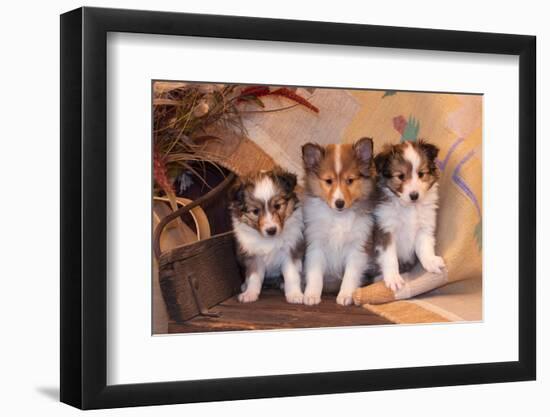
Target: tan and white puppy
[338,203]
[406,210]
[268,226]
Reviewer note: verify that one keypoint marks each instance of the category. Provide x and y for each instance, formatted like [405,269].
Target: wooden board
[272,311]
[212,268]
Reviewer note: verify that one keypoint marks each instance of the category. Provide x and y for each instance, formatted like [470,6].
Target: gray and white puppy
[268,227]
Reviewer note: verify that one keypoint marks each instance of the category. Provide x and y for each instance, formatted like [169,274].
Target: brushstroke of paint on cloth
[408,128]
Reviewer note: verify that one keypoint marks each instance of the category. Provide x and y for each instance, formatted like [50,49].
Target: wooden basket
[197,276]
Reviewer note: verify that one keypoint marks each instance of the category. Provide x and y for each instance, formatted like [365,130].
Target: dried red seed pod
[160,173]
[285,92]
[255,90]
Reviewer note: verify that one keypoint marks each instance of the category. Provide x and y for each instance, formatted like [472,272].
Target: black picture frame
[84,207]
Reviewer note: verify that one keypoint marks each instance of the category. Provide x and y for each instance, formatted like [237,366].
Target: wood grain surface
[272,311]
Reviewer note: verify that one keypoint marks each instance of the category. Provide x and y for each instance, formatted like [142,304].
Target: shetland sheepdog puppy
[268,226]
[406,210]
[338,203]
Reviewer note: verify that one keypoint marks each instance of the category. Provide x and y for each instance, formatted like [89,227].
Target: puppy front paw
[434,264]
[394,282]
[248,296]
[294,297]
[344,298]
[312,298]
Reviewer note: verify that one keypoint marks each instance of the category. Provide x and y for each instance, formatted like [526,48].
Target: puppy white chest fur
[272,250]
[336,234]
[405,221]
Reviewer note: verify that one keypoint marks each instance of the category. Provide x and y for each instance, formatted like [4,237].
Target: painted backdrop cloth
[451,121]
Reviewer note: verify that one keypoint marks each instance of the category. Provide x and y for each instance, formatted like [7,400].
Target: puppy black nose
[271,231]
[339,204]
[413,196]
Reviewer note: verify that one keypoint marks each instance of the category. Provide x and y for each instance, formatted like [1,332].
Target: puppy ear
[312,155]
[431,151]
[363,149]
[236,192]
[380,161]
[287,180]
[363,153]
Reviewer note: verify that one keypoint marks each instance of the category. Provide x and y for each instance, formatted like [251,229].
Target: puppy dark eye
[420,174]
[256,211]
[277,206]
[328,181]
[349,181]
[401,177]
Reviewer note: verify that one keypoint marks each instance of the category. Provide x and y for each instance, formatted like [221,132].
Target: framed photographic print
[258,208]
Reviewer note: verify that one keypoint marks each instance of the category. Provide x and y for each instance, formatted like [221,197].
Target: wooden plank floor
[272,311]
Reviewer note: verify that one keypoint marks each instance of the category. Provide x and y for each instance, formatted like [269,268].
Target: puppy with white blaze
[406,210]
[268,227]
[338,203]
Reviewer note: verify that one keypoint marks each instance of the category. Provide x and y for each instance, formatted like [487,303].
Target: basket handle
[183,210]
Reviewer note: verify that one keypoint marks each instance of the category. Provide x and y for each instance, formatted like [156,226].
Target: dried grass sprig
[185,113]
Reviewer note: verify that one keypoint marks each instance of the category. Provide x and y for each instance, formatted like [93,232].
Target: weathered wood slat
[274,300]
[205,270]
[273,312]
[194,249]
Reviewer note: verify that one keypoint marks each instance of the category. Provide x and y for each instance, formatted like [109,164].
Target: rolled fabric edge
[378,293]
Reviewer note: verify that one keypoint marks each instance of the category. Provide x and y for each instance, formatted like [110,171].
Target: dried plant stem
[184,114]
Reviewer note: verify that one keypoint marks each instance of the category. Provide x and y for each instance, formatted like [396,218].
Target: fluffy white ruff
[335,249]
[273,254]
[412,228]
